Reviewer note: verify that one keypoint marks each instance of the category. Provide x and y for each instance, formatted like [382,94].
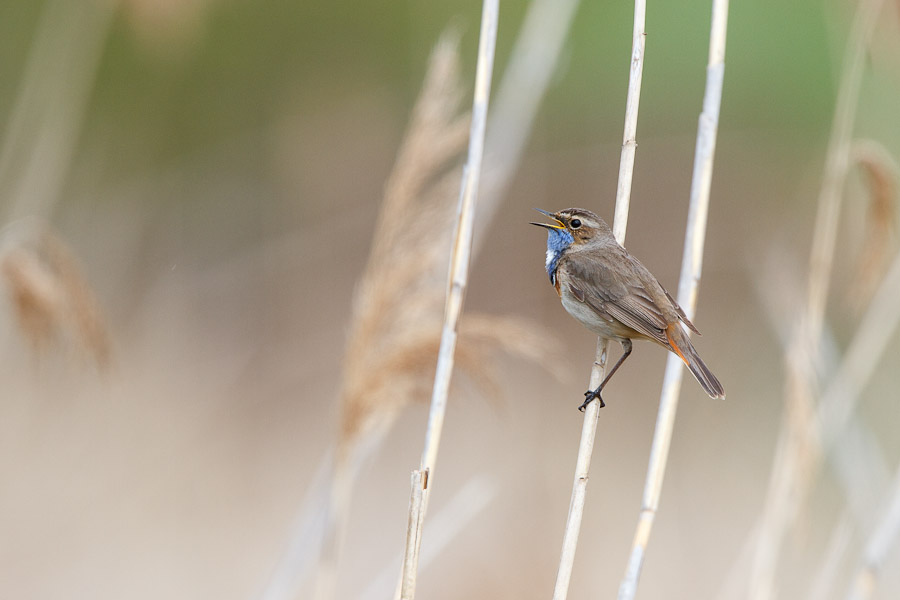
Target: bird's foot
[589,397]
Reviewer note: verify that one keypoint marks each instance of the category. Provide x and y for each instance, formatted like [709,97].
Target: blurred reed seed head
[49,295]
[880,173]
[167,27]
[399,303]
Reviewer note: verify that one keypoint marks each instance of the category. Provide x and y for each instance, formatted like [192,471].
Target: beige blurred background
[216,167]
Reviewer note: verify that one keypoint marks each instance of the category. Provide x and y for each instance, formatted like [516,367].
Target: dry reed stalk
[871,339]
[459,274]
[306,537]
[688,288]
[395,328]
[732,585]
[861,468]
[859,464]
[418,485]
[50,296]
[620,225]
[839,540]
[49,109]
[532,62]
[798,447]
[397,305]
[880,239]
[881,540]
[455,516]
[876,329]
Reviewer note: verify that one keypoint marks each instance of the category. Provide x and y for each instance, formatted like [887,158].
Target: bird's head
[574,226]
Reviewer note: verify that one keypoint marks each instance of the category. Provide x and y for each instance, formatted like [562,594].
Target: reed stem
[688,287]
[459,275]
[620,225]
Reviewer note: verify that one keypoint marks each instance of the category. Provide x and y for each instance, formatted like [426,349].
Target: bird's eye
[575,223]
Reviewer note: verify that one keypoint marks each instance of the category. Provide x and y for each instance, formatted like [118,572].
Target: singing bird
[612,294]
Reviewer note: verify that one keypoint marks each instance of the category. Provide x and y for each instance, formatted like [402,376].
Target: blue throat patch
[557,242]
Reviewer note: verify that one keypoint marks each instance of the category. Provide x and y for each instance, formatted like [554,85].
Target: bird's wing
[680,312]
[612,291]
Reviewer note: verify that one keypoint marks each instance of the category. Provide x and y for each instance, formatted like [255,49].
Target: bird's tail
[681,345]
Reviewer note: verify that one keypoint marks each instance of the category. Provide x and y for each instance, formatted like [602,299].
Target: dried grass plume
[50,297]
[398,307]
[880,173]
[399,303]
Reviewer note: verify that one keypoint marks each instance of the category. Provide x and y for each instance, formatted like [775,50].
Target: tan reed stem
[395,323]
[459,273]
[872,337]
[798,445]
[620,225]
[860,467]
[454,517]
[882,539]
[418,483]
[839,540]
[532,63]
[49,111]
[688,286]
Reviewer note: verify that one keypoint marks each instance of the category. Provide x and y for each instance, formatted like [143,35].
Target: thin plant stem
[882,539]
[50,107]
[871,339]
[446,524]
[688,287]
[629,138]
[857,460]
[532,63]
[306,537]
[459,274]
[833,418]
[620,225]
[839,540]
[869,343]
[798,445]
[860,465]
[418,482]
[837,163]
[401,257]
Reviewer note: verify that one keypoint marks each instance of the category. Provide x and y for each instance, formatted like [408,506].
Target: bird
[613,295]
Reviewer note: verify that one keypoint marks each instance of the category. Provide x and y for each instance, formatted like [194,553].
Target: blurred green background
[217,165]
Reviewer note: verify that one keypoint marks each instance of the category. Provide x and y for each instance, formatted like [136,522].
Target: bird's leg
[589,397]
[591,394]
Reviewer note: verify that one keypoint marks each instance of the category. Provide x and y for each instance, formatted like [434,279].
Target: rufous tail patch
[674,345]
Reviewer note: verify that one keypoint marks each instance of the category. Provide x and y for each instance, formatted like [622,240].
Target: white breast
[605,328]
[550,256]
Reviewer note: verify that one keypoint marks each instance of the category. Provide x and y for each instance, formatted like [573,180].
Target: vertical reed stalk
[418,484]
[823,581]
[531,66]
[455,516]
[459,273]
[882,539]
[870,341]
[688,285]
[620,224]
[798,444]
[49,111]
[832,423]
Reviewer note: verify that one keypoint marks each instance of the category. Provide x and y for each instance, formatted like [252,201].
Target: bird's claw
[589,397]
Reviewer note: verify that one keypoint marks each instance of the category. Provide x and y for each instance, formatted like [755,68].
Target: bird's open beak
[547,225]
